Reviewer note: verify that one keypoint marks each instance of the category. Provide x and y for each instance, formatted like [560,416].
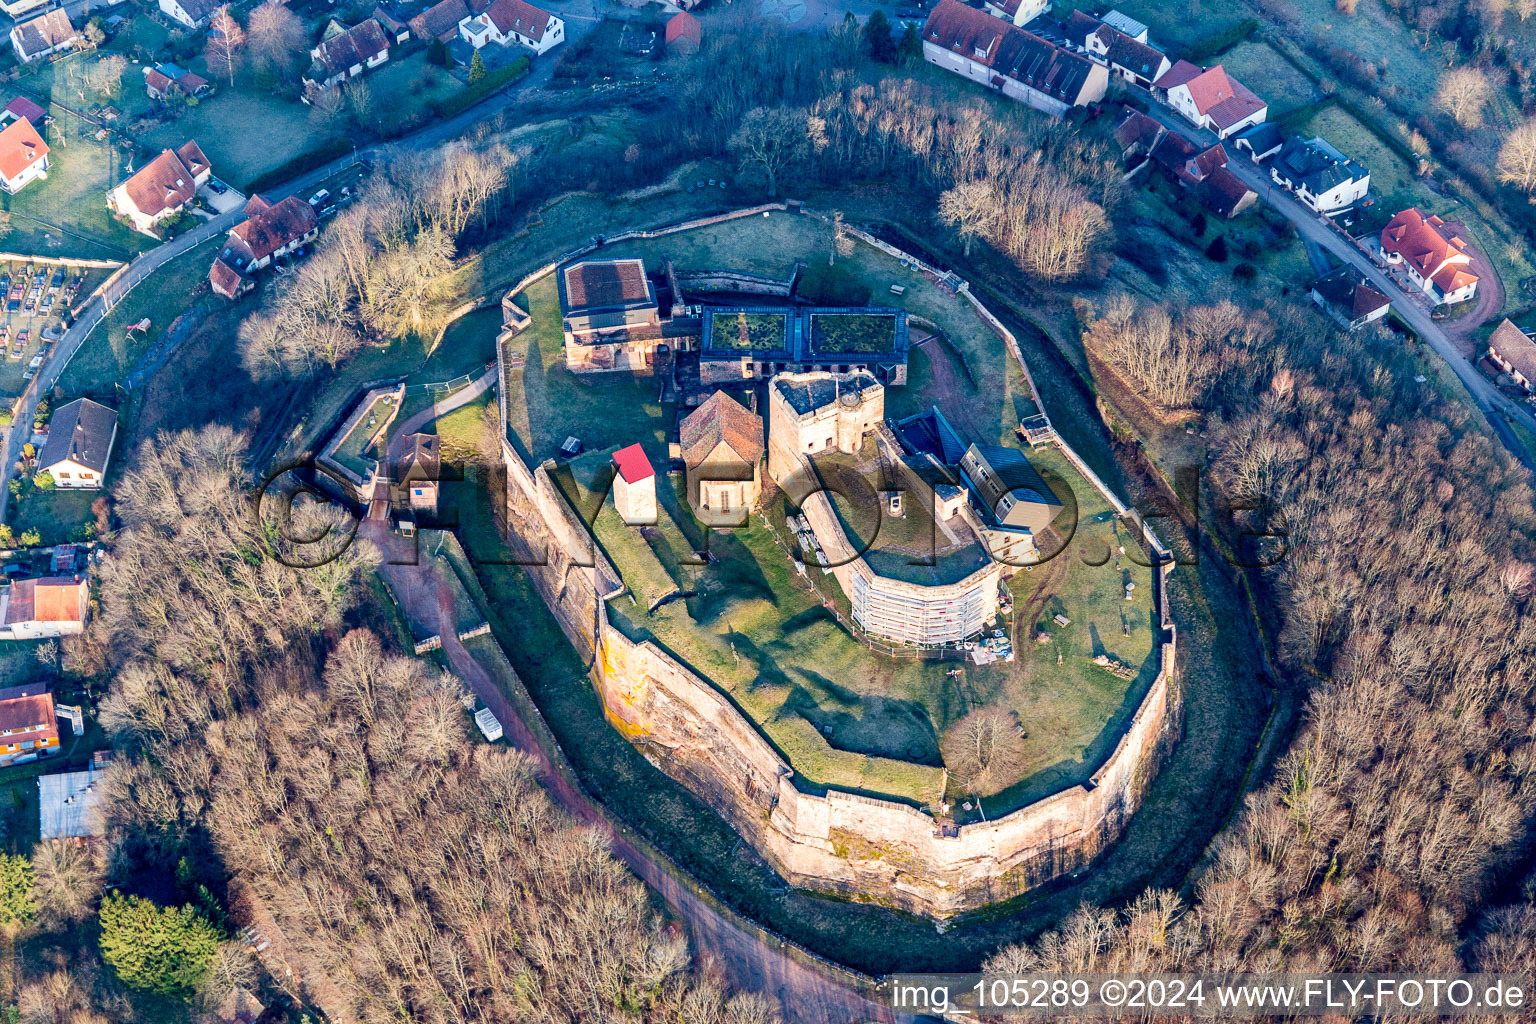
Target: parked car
[319,197]
[217,187]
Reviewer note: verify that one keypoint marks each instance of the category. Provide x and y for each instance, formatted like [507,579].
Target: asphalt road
[1316,230]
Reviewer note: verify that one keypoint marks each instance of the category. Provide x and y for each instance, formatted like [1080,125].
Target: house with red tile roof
[162,188]
[634,488]
[684,34]
[1514,352]
[37,609]
[270,231]
[23,155]
[1006,58]
[44,35]
[21,107]
[347,54]
[1211,98]
[28,726]
[722,446]
[441,21]
[1436,261]
[164,80]
[513,23]
[1346,296]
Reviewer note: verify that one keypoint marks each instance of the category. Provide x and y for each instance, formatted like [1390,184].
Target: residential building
[347,54]
[418,473]
[192,14]
[163,81]
[37,609]
[1436,262]
[1514,352]
[1210,98]
[79,445]
[270,231]
[1186,162]
[1224,193]
[441,21]
[513,23]
[44,35]
[1259,141]
[28,726]
[23,155]
[22,108]
[1138,135]
[1347,297]
[15,9]
[162,188]
[1019,12]
[1004,57]
[722,446]
[1322,178]
[1127,25]
[1127,55]
[1010,504]
[815,413]
[634,488]
[683,34]
[72,805]
[610,315]
[399,32]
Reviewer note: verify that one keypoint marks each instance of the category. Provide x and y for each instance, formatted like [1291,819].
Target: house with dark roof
[1186,162]
[345,55]
[1514,352]
[757,342]
[1018,12]
[1259,141]
[28,725]
[513,23]
[1211,99]
[1225,194]
[162,188]
[441,21]
[1009,60]
[1137,135]
[1325,180]
[1129,56]
[163,81]
[722,445]
[1346,296]
[418,472]
[1010,503]
[38,609]
[79,444]
[1436,261]
[813,414]
[269,232]
[23,155]
[44,35]
[192,14]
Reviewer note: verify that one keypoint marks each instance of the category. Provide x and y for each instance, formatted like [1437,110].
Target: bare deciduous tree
[769,140]
[1463,93]
[984,749]
[970,208]
[1517,158]
[226,41]
[278,42]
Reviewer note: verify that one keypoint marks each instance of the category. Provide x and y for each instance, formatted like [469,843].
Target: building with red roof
[1018,12]
[270,231]
[40,608]
[1211,98]
[1436,261]
[513,23]
[1349,298]
[165,80]
[1006,58]
[684,33]
[23,155]
[162,188]
[346,54]
[634,488]
[21,107]
[28,726]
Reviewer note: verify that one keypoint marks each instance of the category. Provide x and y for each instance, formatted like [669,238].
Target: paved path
[751,959]
[1317,230]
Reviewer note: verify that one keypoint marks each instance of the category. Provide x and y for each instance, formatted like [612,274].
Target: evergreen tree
[877,38]
[16,903]
[437,52]
[476,69]
[910,49]
[166,950]
[1217,250]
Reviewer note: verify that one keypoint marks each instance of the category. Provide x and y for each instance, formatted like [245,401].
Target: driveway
[1411,306]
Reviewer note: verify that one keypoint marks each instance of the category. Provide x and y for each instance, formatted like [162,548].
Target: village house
[722,444]
[46,34]
[441,21]
[1347,297]
[1210,98]
[1438,266]
[346,53]
[79,445]
[1004,57]
[71,805]
[1259,141]
[1203,172]
[28,727]
[1225,194]
[513,22]
[39,609]
[1126,51]
[23,155]
[418,473]
[1137,135]
[683,34]
[270,231]
[634,488]
[161,189]
[163,81]
[23,109]
[1325,180]
[193,14]
[1514,352]
[1019,12]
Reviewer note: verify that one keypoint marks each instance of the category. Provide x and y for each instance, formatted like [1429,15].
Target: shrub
[1217,250]
[307,161]
[470,95]
[1245,272]
[43,481]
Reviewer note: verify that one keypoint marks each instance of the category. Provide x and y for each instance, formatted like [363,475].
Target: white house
[1004,57]
[1020,12]
[634,489]
[189,13]
[1438,266]
[509,22]
[43,35]
[1513,351]
[161,189]
[23,155]
[270,231]
[347,54]
[1350,299]
[1211,99]
[41,608]
[79,445]
[1324,179]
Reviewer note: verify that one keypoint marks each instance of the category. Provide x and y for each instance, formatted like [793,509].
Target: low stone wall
[703,282]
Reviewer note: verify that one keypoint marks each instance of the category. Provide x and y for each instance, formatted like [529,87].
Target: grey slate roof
[1316,164]
[806,395]
[80,432]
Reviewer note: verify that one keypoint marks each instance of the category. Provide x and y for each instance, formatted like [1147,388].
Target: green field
[239,156]
[1266,72]
[358,450]
[58,515]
